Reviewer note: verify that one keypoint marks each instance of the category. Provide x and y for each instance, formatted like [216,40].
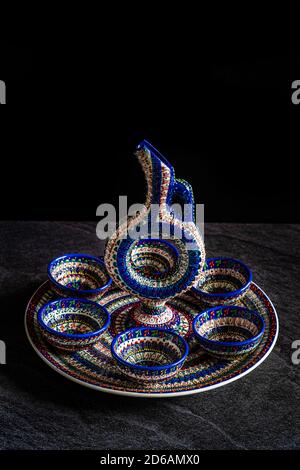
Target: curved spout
[159,173]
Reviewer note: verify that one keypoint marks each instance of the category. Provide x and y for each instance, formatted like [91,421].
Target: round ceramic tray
[95,368]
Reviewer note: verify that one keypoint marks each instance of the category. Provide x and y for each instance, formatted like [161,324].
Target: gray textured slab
[41,410]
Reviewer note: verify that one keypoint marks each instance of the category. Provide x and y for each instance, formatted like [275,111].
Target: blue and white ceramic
[72,324]
[225,281]
[229,331]
[78,275]
[94,367]
[157,261]
[161,281]
[149,354]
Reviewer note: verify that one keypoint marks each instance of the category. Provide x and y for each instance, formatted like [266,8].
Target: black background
[222,116]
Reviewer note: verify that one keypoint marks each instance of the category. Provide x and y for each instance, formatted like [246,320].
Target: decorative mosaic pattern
[95,367]
[228,331]
[147,354]
[78,276]
[72,324]
[167,319]
[157,269]
[225,280]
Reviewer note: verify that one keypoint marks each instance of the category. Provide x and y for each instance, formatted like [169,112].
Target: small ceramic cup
[228,331]
[225,281]
[78,275]
[149,354]
[72,324]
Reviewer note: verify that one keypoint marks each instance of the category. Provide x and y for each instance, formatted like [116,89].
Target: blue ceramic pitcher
[159,253]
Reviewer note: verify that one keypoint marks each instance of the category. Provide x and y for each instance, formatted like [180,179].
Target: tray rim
[153,395]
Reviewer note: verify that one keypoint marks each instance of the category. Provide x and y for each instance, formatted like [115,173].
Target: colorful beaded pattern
[95,367]
[78,275]
[225,281]
[229,331]
[149,354]
[155,269]
[72,324]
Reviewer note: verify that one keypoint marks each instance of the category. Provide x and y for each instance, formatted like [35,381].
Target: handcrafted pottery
[78,275]
[229,331]
[225,281]
[149,354]
[156,260]
[94,367]
[72,324]
[159,263]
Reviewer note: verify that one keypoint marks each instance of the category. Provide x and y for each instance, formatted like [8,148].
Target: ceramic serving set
[154,317]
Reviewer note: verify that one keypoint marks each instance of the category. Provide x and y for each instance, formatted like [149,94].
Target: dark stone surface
[39,409]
